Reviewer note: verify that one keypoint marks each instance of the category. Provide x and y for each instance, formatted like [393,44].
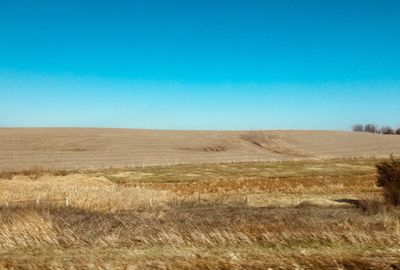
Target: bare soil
[80,148]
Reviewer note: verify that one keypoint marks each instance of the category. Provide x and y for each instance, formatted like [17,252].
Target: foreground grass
[197,238]
[293,215]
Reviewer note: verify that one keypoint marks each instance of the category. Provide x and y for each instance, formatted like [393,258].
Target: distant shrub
[387,131]
[371,128]
[389,180]
[358,128]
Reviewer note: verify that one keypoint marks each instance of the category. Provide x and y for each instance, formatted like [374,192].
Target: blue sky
[200,64]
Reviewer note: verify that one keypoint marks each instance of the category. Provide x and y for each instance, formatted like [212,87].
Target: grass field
[279,215]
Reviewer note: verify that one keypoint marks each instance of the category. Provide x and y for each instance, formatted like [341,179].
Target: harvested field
[74,148]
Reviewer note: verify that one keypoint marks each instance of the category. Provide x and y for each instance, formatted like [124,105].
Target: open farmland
[56,149]
[281,215]
[139,199]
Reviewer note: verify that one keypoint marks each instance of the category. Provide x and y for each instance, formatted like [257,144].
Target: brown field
[88,199]
[56,149]
[305,214]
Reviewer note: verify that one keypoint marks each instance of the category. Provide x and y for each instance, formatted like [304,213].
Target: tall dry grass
[83,191]
[198,238]
[114,225]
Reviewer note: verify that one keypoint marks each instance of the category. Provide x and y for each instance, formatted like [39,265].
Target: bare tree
[387,130]
[371,128]
[398,131]
[358,128]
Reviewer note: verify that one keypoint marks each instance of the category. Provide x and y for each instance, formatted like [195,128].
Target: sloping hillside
[73,148]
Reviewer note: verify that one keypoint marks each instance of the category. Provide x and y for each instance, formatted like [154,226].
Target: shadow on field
[354,202]
[371,206]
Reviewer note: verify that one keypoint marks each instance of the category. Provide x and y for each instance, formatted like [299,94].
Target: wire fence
[152,203]
[38,202]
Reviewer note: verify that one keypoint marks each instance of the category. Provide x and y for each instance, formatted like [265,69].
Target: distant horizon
[200,65]
[156,129]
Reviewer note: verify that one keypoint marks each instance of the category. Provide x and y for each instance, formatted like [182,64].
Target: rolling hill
[86,148]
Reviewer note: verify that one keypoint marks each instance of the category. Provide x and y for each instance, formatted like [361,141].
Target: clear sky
[200,64]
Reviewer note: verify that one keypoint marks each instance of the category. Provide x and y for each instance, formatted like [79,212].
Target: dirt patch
[207,148]
[274,143]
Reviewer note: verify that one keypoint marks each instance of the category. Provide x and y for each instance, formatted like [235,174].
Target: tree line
[371,128]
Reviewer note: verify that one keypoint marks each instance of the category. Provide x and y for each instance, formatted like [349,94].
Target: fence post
[151,203]
[66,201]
[247,200]
[6,204]
[199,197]
[37,201]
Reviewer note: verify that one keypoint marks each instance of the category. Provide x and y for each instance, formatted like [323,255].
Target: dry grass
[82,191]
[297,215]
[199,238]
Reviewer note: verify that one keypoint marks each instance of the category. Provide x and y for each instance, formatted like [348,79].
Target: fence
[37,202]
[151,203]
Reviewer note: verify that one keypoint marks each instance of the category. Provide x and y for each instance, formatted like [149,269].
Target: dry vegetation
[60,149]
[286,215]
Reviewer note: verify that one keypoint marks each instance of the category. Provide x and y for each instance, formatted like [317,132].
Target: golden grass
[197,238]
[248,216]
[82,191]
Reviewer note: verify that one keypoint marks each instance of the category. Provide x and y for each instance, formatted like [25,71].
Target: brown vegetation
[94,149]
[389,179]
[287,215]
[213,237]
[371,128]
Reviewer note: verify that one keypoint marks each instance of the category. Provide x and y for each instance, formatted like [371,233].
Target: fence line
[151,202]
[37,201]
[201,199]
[210,208]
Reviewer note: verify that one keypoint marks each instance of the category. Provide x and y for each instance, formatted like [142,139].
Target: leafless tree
[387,130]
[358,128]
[371,128]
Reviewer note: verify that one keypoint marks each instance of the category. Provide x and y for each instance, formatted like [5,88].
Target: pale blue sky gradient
[199,64]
